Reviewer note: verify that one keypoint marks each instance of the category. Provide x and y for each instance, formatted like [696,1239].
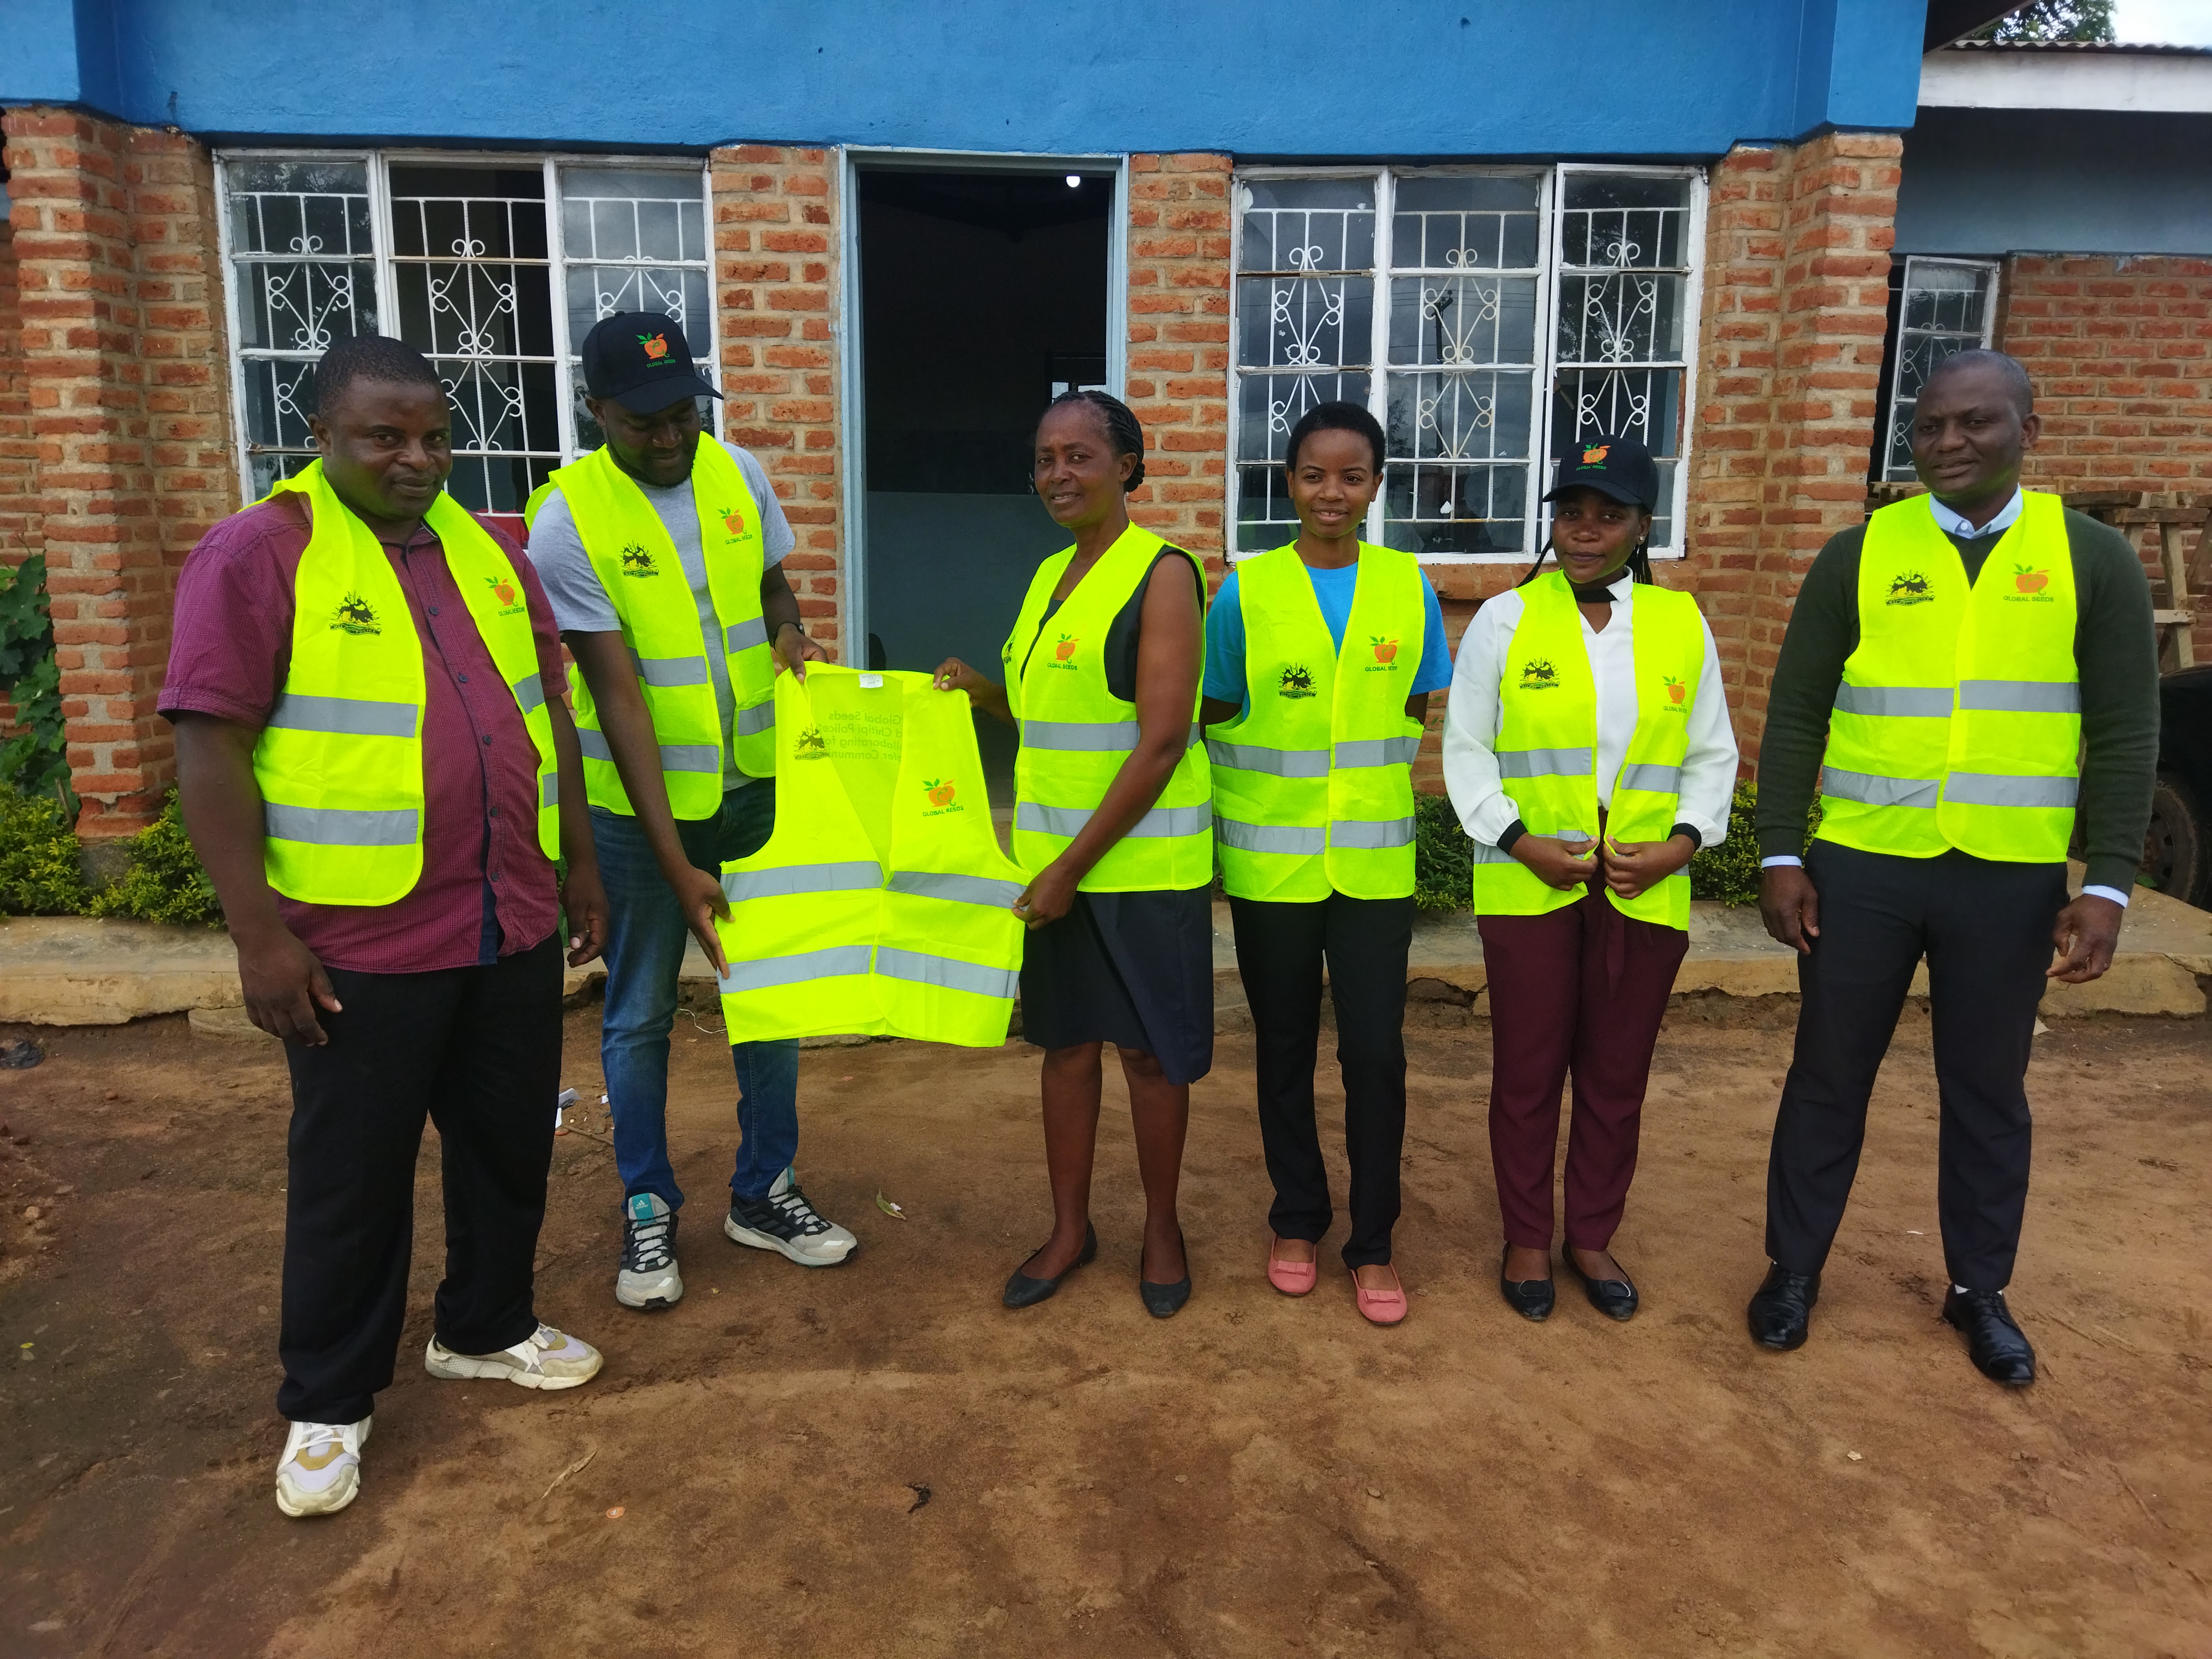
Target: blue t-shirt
[1332,590]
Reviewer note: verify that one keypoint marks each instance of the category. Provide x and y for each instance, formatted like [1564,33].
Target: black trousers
[1985,929]
[479,1051]
[1279,951]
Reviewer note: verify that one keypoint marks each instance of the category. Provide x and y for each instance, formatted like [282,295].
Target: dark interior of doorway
[982,295]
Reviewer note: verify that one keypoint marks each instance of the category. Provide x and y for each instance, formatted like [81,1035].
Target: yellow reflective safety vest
[1076,733]
[881,903]
[638,565]
[1548,744]
[1959,720]
[1313,783]
[340,762]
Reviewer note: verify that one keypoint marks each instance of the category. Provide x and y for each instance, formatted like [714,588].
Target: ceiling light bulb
[1075,181]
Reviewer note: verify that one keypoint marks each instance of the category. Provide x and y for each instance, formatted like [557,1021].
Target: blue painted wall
[2056,181]
[1258,78]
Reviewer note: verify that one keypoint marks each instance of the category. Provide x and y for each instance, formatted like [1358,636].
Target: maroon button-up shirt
[486,889]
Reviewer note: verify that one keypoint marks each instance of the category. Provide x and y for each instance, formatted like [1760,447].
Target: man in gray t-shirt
[662,871]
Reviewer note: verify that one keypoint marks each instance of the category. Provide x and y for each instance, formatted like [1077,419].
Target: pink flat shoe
[1290,1277]
[1380,1307]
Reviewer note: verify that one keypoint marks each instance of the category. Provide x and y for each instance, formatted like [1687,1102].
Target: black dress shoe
[1022,1291]
[1163,1301]
[1532,1298]
[2000,1351]
[1613,1297]
[1781,1312]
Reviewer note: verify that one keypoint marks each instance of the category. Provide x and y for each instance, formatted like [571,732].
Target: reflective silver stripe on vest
[672,671]
[771,971]
[548,790]
[529,693]
[743,637]
[1068,821]
[1086,736]
[961,889]
[1997,789]
[760,718]
[1547,763]
[947,973]
[1911,701]
[1377,751]
[674,757]
[1486,854]
[2021,696]
[850,876]
[1659,780]
[1270,837]
[338,826]
[1275,762]
[1370,834]
[352,717]
[1870,790]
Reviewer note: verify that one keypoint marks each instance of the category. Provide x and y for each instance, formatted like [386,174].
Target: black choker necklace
[1593,592]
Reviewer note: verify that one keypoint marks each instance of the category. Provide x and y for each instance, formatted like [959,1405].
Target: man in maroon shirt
[445,1001]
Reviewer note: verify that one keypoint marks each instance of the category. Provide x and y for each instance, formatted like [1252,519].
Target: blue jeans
[644,954]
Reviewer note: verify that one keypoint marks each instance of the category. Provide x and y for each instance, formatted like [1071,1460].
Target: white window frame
[379,164]
[1551,198]
[1885,430]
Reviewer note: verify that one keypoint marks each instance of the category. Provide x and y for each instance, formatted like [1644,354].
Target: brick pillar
[1789,357]
[775,289]
[123,359]
[1178,380]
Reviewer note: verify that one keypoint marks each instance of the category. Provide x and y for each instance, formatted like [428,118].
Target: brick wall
[17,455]
[2117,348]
[776,292]
[122,349]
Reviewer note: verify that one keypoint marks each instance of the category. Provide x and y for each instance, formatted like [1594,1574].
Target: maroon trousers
[1582,989]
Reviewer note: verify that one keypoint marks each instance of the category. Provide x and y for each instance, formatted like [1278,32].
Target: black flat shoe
[1532,1298]
[1163,1301]
[1999,1348]
[1022,1291]
[1613,1297]
[1781,1311]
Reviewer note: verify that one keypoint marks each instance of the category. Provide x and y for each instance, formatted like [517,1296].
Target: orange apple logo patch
[1675,690]
[2028,579]
[656,345]
[1595,454]
[1385,650]
[1064,649]
[940,794]
[734,522]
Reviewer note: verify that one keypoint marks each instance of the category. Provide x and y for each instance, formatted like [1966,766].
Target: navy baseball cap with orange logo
[1619,467]
[641,360]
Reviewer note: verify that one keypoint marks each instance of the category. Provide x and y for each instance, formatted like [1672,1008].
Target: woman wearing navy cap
[1588,751]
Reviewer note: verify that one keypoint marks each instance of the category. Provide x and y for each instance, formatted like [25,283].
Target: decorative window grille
[461,258]
[1487,318]
[1944,305]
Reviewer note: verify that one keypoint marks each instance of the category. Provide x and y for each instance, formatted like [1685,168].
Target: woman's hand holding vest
[1634,867]
[1556,863]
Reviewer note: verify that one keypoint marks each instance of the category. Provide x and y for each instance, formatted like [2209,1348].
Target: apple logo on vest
[2029,583]
[733,521]
[1386,652]
[504,589]
[636,561]
[1676,693]
[1063,652]
[940,792]
[1296,682]
[1539,675]
[1910,588]
[355,615]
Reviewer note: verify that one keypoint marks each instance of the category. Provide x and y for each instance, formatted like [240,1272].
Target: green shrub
[165,882]
[1729,873]
[39,875]
[1444,857]
[35,761]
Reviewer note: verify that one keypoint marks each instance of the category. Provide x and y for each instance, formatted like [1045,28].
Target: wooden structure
[2174,513]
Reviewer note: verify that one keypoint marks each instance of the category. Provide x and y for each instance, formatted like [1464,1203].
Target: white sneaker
[321,1471]
[543,1359]
[785,1223]
[648,1278]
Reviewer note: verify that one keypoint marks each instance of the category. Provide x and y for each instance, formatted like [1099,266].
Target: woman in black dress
[1114,820]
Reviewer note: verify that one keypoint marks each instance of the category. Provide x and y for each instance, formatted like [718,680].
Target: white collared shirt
[1472,717]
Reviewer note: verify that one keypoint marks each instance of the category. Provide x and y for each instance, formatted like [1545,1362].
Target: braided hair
[1123,432]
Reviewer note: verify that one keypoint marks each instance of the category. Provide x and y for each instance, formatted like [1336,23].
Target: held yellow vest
[1076,733]
[340,762]
[637,564]
[1547,743]
[1313,784]
[881,903]
[1959,720]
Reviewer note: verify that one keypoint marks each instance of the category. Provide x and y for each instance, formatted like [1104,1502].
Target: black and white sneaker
[648,1278]
[784,1221]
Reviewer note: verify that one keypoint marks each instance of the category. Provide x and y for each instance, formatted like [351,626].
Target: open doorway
[982,295]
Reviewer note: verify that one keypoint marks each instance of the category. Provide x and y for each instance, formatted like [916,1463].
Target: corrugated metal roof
[2080,48]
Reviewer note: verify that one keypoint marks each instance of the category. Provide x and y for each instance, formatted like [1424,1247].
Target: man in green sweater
[1956,671]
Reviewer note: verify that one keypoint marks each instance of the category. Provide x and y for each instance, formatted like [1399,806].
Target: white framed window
[493,266]
[1943,306]
[1489,317]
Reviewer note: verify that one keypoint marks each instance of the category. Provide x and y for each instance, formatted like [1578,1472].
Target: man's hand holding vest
[2087,934]
[1634,868]
[793,650]
[1555,862]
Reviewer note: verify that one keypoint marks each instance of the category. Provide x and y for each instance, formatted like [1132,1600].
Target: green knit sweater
[2113,643]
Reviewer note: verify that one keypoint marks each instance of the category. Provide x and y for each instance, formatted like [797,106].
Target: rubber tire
[2177,843]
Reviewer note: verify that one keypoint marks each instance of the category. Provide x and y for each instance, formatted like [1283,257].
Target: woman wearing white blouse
[1587,752]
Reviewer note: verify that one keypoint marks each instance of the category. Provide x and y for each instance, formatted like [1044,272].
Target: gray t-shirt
[580,605]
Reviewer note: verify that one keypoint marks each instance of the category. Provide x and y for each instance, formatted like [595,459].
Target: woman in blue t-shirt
[1312,769]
